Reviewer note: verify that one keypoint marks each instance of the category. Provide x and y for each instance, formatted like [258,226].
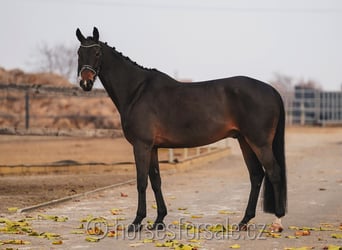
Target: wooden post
[171,156]
[27,110]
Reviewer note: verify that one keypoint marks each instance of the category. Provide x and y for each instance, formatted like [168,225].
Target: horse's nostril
[86,85]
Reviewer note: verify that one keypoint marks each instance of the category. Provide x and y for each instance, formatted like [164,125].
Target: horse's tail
[279,154]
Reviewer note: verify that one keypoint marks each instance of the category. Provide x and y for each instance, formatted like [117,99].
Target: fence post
[171,155]
[27,110]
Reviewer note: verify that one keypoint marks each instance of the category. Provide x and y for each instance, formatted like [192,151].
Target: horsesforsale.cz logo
[97,228]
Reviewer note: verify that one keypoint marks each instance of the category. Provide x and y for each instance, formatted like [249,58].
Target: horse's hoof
[242,227]
[134,228]
[276,228]
[157,226]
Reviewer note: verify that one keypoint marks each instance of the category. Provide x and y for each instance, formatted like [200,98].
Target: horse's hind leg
[156,186]
[256,175]
[274,185]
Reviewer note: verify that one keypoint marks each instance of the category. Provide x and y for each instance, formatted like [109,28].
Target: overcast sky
[197,39]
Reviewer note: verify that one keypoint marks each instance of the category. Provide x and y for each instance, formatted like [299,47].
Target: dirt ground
[314,169]
[28,190]
[90,154]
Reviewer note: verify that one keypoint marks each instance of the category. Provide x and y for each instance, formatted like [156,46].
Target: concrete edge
[72,197]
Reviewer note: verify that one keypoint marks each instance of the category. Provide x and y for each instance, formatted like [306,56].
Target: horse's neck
[121,78]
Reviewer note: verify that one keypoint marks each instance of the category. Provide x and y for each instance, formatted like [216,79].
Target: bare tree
[309,84]
[284,84]
[59,59]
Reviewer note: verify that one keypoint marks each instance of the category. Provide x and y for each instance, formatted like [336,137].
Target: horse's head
[89,59]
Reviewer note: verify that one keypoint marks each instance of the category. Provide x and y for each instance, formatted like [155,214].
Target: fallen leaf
[302,233]
[194,241]
[182,208]
[186,247]
[197,216]
[310,229]
[87,219]
[113,234]
[120,218]
[124,195]
[116,211]
[336,236]
[50,236]
[148,240]
[274,235]
[14,242]
[136,244]
[154,206]
[120,227]
[298,248]
[95,231]
[12,209]
[167,243]
[77,232]
[16,227]
[217,228]
[291,237]
[57,242]
[226,212]
[52,217]
[92,239]
[175,222]
[332,247]
[235,246]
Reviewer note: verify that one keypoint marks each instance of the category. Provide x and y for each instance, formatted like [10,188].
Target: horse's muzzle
[86,85]
[87,75]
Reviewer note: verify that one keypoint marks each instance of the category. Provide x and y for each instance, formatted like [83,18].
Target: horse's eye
[97,53]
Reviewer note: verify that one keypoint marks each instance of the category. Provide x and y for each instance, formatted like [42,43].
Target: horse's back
[190,114]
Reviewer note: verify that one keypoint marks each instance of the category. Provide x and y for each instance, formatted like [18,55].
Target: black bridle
[89,67]
[88,84]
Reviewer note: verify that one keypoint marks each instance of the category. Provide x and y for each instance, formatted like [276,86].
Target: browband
[92,45]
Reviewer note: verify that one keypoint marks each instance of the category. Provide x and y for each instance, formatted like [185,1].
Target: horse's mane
[126,58]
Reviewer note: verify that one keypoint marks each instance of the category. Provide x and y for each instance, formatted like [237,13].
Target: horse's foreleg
[256,175]
[142,155]
[156,186]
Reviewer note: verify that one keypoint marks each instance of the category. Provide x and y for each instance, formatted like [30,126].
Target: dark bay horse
[159,112]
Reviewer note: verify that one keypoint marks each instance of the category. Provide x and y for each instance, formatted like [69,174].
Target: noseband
[88,67]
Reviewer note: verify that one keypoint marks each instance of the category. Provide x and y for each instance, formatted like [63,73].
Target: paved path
[213,194]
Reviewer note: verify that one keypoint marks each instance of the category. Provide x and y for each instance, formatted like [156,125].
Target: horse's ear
[96,34]
[79,35]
